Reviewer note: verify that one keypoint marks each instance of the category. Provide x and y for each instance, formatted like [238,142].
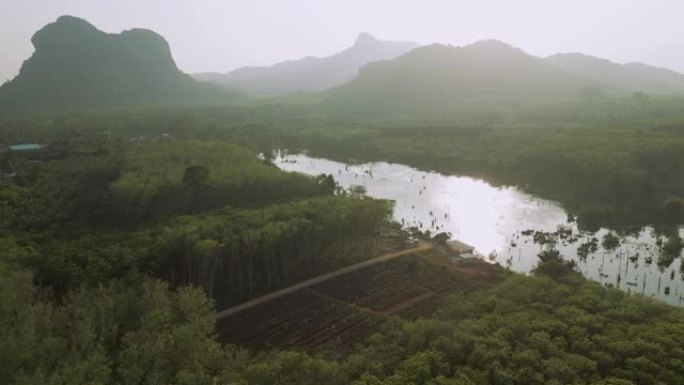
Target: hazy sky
[220,35]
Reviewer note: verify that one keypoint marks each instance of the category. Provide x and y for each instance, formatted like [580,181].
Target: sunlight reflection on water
[491,219]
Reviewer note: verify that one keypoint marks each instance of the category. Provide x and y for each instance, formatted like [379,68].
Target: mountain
[439,78]
[311,73]
[629,77]
[77,66]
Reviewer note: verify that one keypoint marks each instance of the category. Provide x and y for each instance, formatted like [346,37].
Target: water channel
[497,220]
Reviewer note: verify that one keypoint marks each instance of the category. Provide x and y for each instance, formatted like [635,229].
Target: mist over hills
[310,74]
[446,78]
[629,77]
[76,66]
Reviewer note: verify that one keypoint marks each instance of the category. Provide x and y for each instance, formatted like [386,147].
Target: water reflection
[493,220]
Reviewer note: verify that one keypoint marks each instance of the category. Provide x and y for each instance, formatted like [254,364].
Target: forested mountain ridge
[440,78]
[632,77]
[310,74]
[77,66]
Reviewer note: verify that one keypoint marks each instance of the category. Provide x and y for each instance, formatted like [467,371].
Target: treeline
[612,178]
[617,177]
[233,254]
[613,162]
[129,331]
[608,168]
[183,177]
[123,184]
[98,284]
[553,328]
[210,214]
[100,240]
[236,254]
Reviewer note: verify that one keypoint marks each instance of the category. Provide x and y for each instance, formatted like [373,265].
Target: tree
[293,368]
[9,162]
[196,176]
[357,191]
[640,96]
[552,264]
[328,183]
[610,241]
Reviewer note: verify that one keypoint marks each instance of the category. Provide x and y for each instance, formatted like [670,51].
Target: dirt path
[321,278]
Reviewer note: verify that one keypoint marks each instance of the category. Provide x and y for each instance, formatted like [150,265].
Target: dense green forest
[115,252]
[613,162]
[122,237]
[210,214]
[553,328]
[113,184]
[623,178]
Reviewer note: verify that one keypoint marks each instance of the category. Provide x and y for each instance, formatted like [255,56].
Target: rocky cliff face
[75,65]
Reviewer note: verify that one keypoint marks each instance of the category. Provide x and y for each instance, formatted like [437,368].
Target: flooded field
[500,222]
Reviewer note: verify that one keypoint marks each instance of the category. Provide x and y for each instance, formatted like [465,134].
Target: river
[493,220]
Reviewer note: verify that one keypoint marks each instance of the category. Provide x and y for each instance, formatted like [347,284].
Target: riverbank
[506,225]
[624,178]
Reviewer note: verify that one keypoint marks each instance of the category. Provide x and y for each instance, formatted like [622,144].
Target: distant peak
[573,55]
[365,38]
[65,28]
[71,19]
[72,23]
[492,44]
[139,33]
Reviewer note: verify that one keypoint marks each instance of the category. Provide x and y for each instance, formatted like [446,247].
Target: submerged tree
[552,264]
[610,241]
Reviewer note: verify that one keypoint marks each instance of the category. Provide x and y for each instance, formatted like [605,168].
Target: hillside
[310,73]
[439,78]
[77,66]
[629,77]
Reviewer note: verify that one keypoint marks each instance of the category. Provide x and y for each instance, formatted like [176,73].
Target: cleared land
[337,312]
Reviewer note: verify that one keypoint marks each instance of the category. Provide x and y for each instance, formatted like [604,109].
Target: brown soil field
[335,314]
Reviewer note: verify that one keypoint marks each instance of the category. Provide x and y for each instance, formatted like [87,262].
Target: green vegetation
[607,173]
[160,179]
[131,331]
[610,241]
[123,284]
[208,214]
[614,163]
[121,238]
[554,328]
[110,252]
[606,149]
[557,329]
